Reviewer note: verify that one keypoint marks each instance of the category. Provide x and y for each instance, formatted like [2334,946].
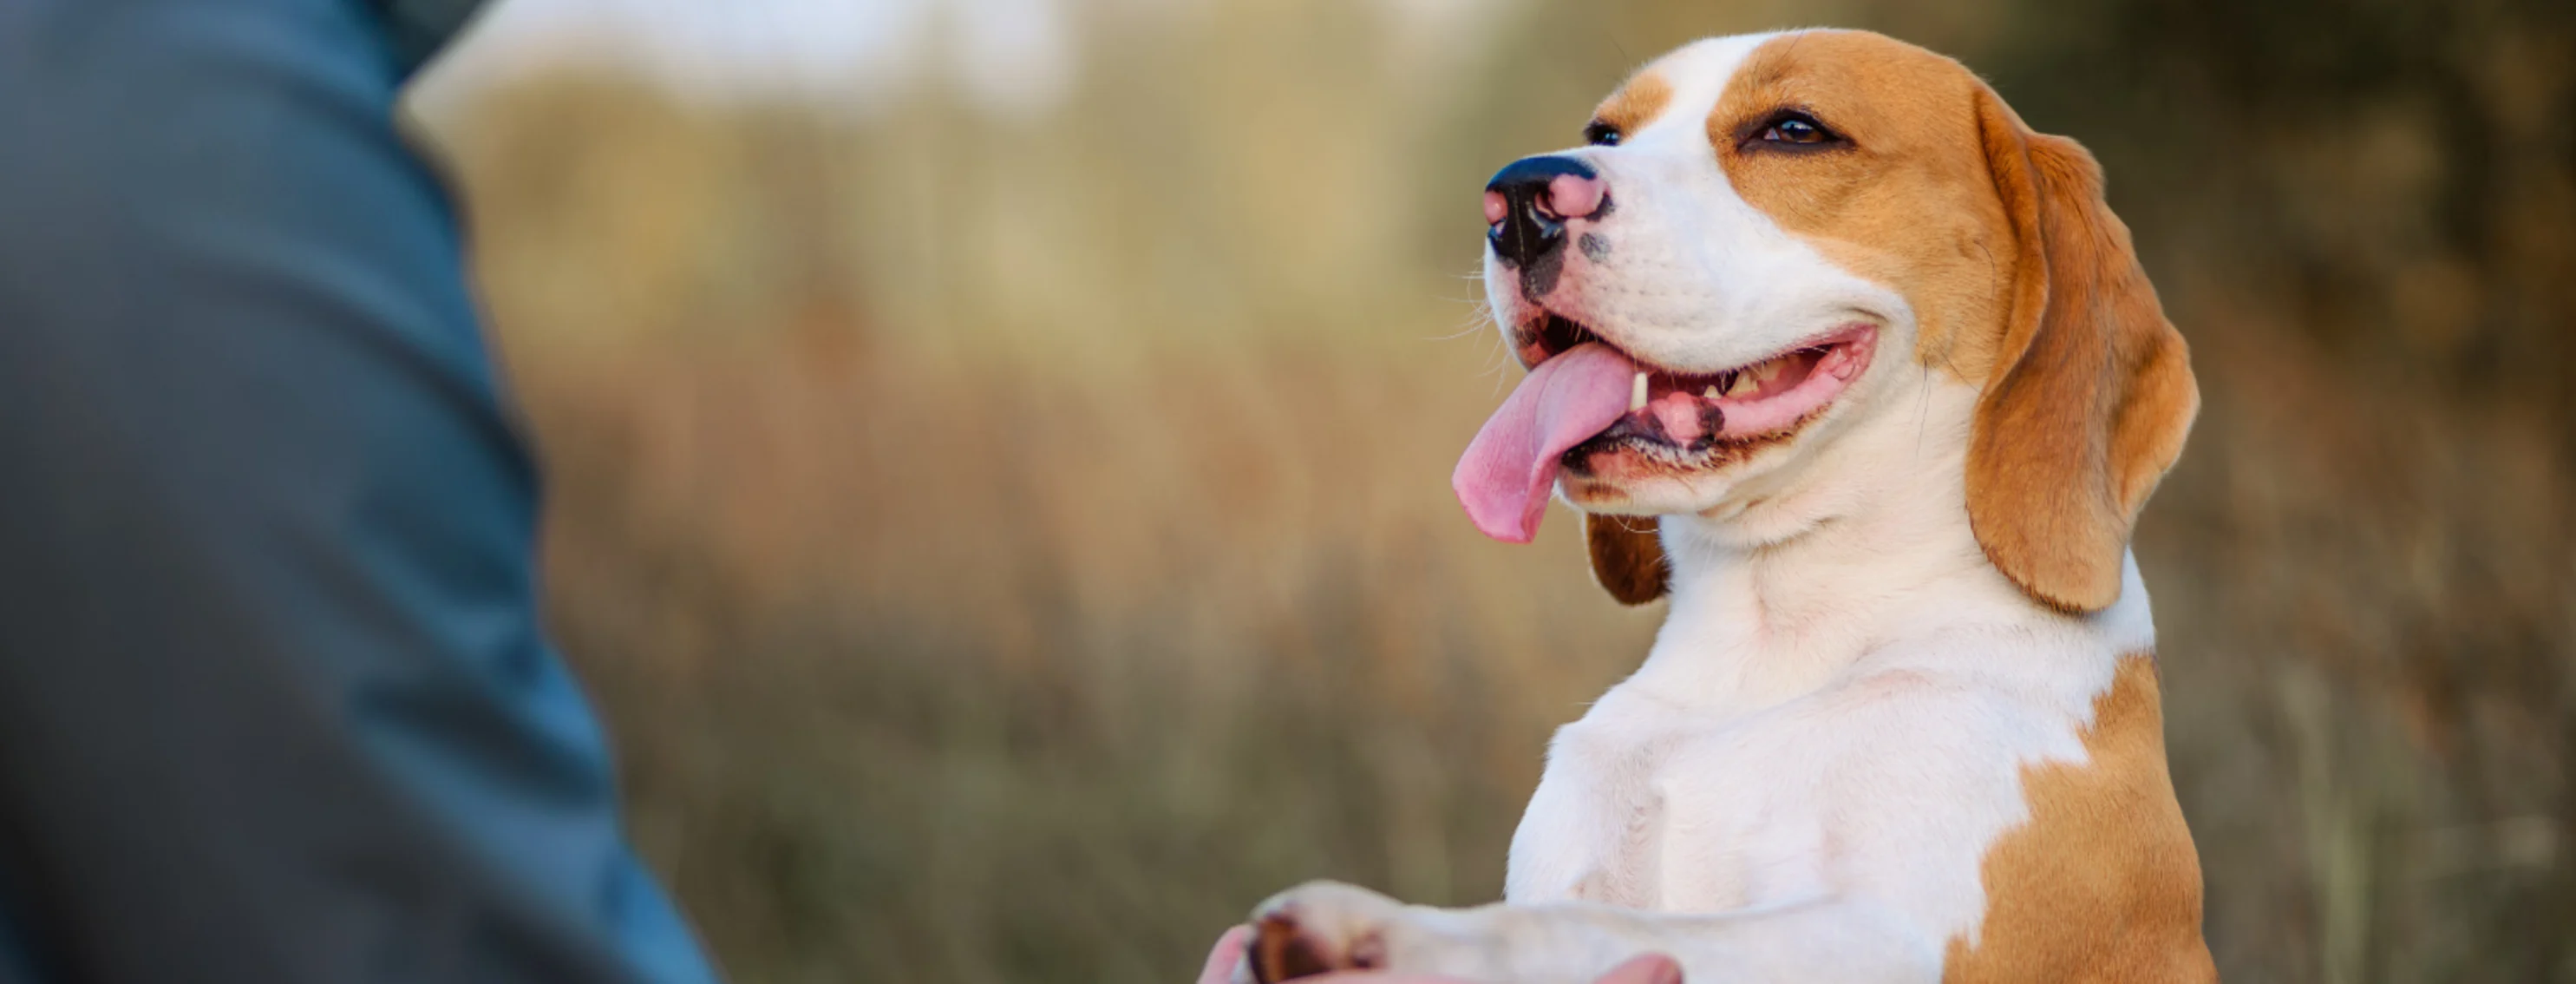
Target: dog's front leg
[1323,926]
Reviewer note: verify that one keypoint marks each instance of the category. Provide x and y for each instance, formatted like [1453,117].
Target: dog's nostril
[1528,201]
[1573,196]
[1558,187]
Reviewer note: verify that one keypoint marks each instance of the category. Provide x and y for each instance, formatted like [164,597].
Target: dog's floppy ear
[1627,556]
[2091,391]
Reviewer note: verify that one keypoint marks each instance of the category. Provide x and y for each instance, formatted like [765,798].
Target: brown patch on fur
[1627,556]
[1636,103]
[2022,281]
[2102,883]
[1906,204]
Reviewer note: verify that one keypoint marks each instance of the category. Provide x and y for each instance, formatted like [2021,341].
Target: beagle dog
[1861,372]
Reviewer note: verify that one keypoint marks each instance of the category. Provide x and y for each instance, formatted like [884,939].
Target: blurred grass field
[1007,545]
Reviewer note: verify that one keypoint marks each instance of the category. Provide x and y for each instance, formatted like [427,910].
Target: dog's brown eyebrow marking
[1635,104]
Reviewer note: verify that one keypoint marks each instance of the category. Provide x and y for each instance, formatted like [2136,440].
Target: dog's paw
[1324,927]
[1319,928]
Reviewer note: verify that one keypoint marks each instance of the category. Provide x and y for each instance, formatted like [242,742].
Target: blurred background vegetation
[1006,523]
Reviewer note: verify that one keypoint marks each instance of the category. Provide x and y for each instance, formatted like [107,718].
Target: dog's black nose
[1528,201]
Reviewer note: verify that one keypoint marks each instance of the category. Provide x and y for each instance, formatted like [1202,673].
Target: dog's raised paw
[1318,928]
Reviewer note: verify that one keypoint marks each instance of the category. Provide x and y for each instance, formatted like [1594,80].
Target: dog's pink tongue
[1505,477]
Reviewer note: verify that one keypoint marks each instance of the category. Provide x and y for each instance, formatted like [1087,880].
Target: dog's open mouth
[1585,397]
[1700,419]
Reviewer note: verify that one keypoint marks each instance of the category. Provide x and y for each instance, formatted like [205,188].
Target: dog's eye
[1797,128]
[1600,134]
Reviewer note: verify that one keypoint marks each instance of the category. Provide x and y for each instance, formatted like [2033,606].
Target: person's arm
[275,702]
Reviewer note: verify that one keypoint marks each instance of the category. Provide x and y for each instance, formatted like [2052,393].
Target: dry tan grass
[1101,660]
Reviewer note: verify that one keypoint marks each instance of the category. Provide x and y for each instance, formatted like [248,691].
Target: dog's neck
[1791,583]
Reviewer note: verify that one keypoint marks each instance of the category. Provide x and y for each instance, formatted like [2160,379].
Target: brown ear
[1627,556]
[2091,392]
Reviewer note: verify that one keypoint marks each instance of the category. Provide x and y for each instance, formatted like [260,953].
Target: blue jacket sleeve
[275,703]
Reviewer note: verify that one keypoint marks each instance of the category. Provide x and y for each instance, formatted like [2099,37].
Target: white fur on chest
[1890,783]
[1848,716]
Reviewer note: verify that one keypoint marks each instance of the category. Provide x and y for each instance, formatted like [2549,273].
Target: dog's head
[1773,241]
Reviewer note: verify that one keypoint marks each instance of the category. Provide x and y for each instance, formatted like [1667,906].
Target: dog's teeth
[1637,394]
[1711,394]
[1769,371]
[1744,385]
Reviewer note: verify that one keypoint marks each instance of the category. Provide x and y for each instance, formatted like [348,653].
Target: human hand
[1649,969]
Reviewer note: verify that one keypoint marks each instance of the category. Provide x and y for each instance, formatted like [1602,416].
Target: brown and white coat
[1902,722]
